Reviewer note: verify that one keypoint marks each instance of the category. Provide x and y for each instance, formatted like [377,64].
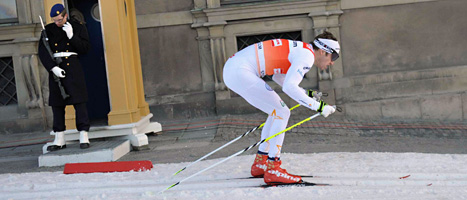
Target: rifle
[57,60]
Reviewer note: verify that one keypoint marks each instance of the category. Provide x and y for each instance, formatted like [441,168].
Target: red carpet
[124,166]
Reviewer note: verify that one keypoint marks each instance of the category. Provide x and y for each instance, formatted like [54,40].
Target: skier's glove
[325,109]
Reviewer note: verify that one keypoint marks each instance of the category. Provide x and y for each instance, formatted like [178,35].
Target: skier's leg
[258,93]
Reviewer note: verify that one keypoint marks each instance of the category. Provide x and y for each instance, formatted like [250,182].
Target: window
[7,82]
[8,12]
[245,41]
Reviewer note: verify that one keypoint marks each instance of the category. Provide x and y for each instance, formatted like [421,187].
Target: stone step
[101,151]
[135,132]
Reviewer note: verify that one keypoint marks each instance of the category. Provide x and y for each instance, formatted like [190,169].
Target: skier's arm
[301,64]
[291,88]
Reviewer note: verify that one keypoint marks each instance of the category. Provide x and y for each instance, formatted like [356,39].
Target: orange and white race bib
[272,55]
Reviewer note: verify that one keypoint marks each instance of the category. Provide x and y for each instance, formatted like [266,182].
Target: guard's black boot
[84,145]
[55,147]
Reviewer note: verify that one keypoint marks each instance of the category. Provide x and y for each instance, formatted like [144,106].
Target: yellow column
[123,61]
[142,104]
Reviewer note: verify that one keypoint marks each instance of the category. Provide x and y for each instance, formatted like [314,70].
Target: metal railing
[245,41]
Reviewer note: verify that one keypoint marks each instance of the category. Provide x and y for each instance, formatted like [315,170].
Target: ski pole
[246,149]
[227,144]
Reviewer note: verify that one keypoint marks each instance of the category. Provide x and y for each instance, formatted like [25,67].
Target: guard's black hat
[56,10]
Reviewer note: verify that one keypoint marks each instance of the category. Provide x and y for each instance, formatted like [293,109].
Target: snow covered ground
[352,175]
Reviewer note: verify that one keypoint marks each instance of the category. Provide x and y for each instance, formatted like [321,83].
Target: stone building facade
[402,59]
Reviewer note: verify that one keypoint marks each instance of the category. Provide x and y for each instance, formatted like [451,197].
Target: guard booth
[116,106]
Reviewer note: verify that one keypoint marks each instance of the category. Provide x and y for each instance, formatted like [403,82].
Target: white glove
[68,30]
[59,72]
[327,110]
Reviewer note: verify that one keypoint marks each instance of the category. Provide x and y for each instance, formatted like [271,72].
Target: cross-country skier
[287,61]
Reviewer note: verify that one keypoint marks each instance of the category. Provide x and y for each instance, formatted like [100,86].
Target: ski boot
[259,166]
[276,175]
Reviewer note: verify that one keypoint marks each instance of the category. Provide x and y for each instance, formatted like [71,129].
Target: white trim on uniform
[64,54]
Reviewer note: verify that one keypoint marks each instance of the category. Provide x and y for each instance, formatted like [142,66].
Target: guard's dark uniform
[74,82]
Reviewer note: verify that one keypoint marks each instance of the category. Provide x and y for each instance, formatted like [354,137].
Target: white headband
[327,45]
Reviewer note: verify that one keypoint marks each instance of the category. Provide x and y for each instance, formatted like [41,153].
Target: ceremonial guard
[62,42]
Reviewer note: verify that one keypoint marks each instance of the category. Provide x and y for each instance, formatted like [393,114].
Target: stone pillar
[199,4]
[329,21]
[29,78]
[204,48]
[217,42]
[213,3]
[32,81]
[24,11]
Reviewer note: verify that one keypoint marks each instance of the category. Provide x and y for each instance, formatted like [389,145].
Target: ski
[328,176]
[252,177]
[332,177]
[301,184]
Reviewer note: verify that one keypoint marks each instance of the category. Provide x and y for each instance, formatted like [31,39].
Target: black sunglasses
[334,55]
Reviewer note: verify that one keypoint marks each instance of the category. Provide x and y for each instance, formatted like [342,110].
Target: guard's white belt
[64,54]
